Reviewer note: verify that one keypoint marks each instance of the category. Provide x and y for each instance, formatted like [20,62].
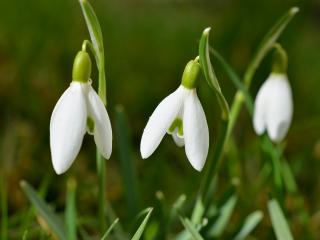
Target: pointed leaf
[110,229]
[97,41]
[53,221]
[141,228]
[224,216]
[190,228]
[250,223]
[279,223]
[267,43]
[204,54]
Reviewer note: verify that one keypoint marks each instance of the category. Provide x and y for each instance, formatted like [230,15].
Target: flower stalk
[229,118]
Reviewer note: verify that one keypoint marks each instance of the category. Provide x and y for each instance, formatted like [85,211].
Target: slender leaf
[53,221]
[191,229]
[122,136]
[250,223]
[97,41]
[234,78]
[288,177]
[224,216]
[93,26]
[141,228]
[204,55]
[279,223]
[267,43]
[71,212]
[110,229]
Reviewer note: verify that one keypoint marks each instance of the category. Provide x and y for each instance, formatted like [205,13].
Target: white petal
[178,139]
[160,121]
[280,108]
[67,127]
[102,127]
[261,107]
[196,132]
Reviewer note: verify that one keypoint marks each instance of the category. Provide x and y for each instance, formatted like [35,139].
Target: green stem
[101,191]
[228,124]
[71,214]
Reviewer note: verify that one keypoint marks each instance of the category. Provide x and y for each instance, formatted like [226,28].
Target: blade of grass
[110,229]
[53,221]
[233,76]
[288,177]
[190,228]
[142,226]
[251,221]
[221,222]
[71,212]
[279,223]
[122,136]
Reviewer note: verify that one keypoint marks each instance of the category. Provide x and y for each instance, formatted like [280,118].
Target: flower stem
[101,166]
[227,125]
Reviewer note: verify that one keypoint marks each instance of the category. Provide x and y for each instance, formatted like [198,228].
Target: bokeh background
[147,44]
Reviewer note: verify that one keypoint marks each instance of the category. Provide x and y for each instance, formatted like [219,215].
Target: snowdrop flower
[78,107]
[273,105]
[181,115]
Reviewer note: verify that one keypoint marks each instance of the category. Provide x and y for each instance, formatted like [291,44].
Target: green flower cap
[190,74]
[280,60]
[81,71]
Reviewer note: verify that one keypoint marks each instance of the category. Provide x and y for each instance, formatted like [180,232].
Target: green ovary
[177,124]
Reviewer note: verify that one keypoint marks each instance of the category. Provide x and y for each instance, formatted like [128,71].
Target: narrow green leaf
[110,229]
[191,229]
[224,216]
[251,221]
[97,42]
[129,179]
[71,212]
[141,228]
[204,55]
[233,76]
[288,177]
[267,43]
[93,26]
[279,223]
[53,221]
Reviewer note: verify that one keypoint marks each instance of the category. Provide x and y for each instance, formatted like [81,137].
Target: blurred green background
[147,44]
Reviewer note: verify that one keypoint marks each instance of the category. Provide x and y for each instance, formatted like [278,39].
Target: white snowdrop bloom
[78,107]
[273,107]
[181,115]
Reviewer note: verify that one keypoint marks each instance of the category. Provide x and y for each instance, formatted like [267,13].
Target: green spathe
[81,67]
[190,74]
[280,60]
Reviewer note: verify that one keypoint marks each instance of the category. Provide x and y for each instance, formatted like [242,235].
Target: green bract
[280,60]
[81,67]
[190,74]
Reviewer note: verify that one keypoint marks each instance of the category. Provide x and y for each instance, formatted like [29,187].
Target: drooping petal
[160,121]
[67,127]
[179,140]
[102,127]
[196,132]
[280,107]
[261,107]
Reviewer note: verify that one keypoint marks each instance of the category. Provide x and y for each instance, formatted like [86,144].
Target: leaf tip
[294,10]
[23,183]
[207,30]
